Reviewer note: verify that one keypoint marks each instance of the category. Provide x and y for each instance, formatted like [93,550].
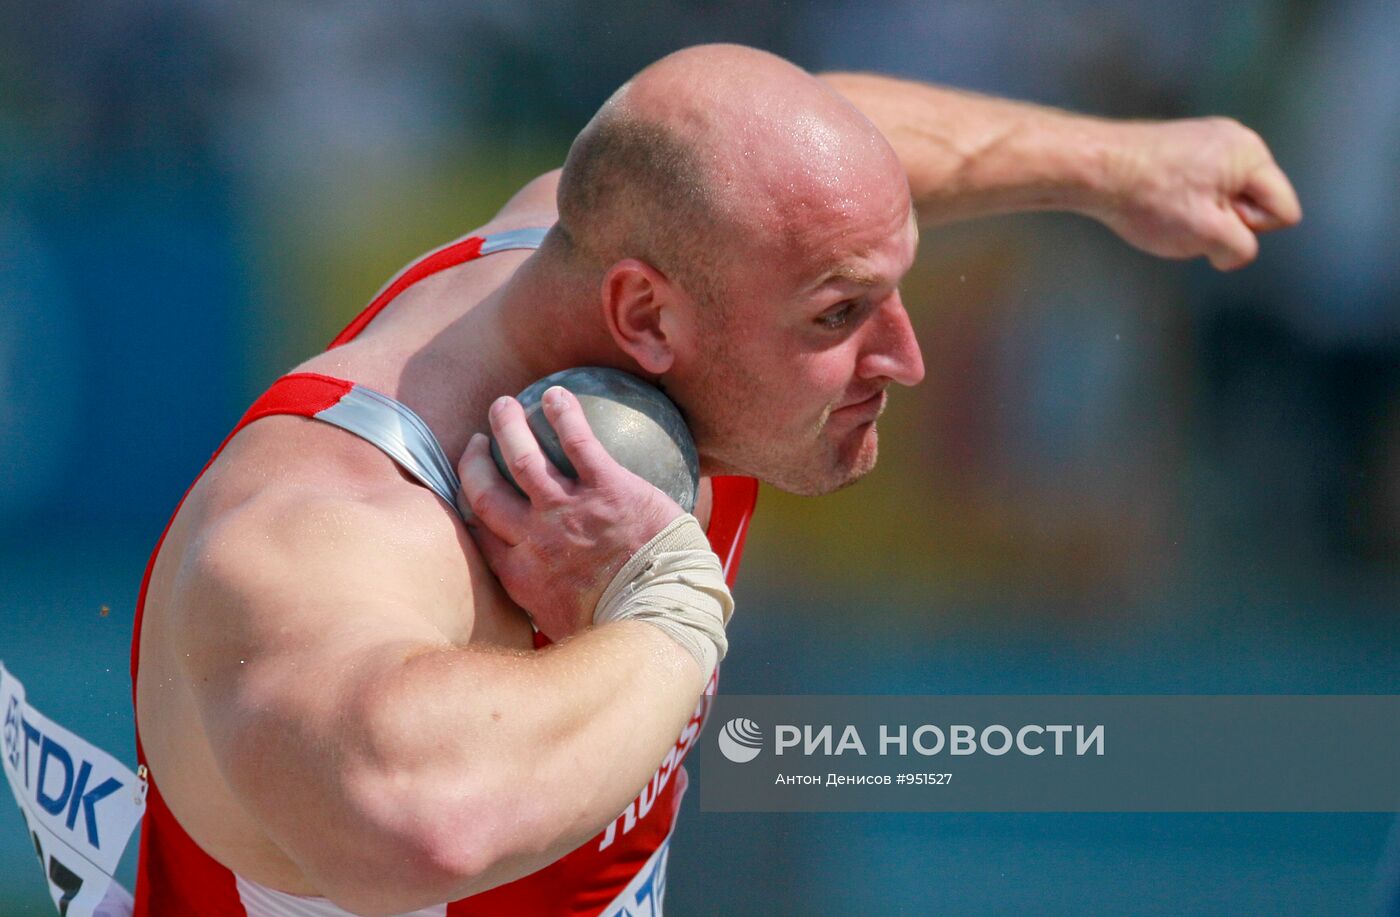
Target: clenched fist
[1201,186]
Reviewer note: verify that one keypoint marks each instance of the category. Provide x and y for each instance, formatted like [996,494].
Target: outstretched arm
[1178,189]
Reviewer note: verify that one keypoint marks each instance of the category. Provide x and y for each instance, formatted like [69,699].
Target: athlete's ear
[641,307]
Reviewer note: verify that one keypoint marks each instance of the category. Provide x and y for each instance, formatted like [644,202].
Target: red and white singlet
[621,871]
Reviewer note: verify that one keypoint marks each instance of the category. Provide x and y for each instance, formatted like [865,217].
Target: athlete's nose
[892,350]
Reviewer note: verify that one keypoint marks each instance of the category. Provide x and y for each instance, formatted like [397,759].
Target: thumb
[1255,217]
[1268,201]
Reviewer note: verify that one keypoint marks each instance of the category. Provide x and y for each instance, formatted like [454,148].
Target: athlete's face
[791,376]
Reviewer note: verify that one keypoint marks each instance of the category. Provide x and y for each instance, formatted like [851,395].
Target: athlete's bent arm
[394,768]
[1178,189]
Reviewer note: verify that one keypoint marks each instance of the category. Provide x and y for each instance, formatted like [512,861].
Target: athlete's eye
[839,316]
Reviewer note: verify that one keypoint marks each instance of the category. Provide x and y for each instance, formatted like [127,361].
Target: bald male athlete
[354,694]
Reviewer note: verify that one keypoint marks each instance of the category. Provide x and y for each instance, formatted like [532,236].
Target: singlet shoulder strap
[397,431]
[531,237]
[460,252]
[384,422]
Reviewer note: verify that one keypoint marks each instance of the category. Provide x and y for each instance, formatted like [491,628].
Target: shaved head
[705,153]
[747,228]
[633,188]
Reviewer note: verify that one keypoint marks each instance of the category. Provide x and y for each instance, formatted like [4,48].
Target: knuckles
[577,441]
[526,463]
[483,501]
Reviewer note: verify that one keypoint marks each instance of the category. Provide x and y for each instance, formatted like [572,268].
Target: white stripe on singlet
[261,901]
[643,896]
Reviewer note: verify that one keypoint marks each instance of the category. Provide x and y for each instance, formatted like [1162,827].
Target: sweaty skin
[337,693]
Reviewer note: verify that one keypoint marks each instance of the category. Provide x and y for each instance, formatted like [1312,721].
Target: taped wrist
[674,582]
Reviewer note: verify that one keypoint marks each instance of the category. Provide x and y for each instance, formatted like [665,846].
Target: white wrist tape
[674,582]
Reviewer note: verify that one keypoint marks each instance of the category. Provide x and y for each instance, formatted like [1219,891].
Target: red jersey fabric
[176,876]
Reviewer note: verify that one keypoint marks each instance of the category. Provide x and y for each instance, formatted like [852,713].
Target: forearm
[545,750]
[970,155]
[458,769]
[1176,189]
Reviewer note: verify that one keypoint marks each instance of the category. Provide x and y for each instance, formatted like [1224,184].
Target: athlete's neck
[538,322]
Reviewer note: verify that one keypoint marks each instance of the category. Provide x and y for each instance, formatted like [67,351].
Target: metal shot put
[636,423]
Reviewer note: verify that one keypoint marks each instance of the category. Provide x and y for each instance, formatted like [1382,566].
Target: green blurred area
[326,252]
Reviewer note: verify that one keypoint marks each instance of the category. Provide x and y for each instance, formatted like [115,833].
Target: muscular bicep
[313,580]
[287,621]
[287,615]
[392,766]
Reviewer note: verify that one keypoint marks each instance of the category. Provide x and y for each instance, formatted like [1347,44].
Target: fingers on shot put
[492,502]
[576,438]
[508,473]
[538,478]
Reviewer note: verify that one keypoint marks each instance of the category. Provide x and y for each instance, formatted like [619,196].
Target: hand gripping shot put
[636,423]
[674,581]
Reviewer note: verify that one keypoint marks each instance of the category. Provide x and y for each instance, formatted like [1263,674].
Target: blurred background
[1120,476]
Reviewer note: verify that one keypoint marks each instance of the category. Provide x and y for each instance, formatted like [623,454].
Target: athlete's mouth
[873,405]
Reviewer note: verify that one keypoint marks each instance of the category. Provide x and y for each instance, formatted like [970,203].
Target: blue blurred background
[1121,475]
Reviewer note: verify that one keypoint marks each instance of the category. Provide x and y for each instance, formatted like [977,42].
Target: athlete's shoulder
[294,507]
[285,462]
[534,205]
